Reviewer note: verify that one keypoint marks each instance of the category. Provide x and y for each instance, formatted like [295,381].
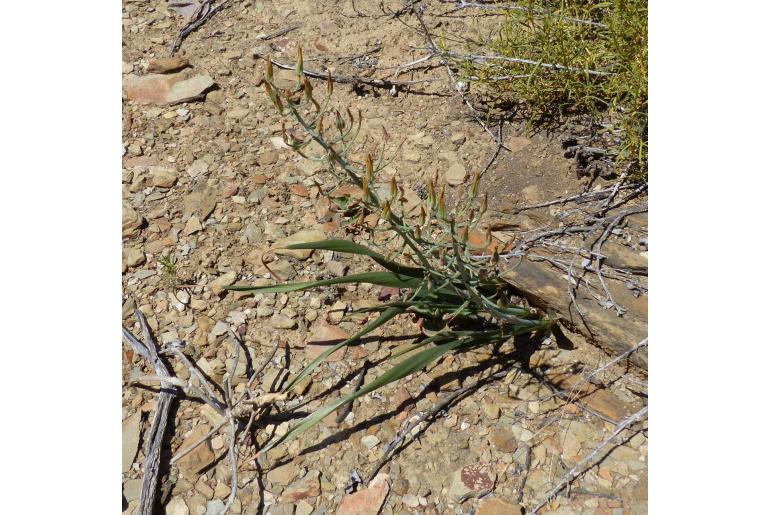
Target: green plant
[556,58]
[168,265]
[459,297]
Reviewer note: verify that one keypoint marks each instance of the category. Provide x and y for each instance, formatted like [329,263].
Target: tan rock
[131,431]
[150,89]
[199,458]
[304,236]
[188,89]
[502,439]
[167,65]
[162,177]
[323,337]
[498,507]
[218,284]
[283,475]
[132,221]
[455,174]
[192,226]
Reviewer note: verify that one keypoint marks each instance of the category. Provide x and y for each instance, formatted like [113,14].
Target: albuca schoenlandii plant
[458,296]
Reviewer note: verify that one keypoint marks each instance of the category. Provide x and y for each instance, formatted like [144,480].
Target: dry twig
[586,463]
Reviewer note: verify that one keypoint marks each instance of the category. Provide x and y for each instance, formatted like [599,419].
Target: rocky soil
[209,188]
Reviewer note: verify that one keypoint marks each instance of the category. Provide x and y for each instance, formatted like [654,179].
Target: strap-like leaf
[348,247]
[383,318]
[403,369]
[380,278]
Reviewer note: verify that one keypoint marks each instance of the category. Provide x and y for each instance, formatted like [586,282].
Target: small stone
[132,221]
[323,337]
[215,507]
[131,489]
[199,458]
[218,284]
[238,113]
[199,167]
[367,501]
[131,429]
[220,328]
[304,236]
[491,410]
[455,174]
[167,65]
[410,500]
[472,479]
[222,490]
[303,508]
[192,226]
[336,268]
[283,475]
[189,89]
[162,177]
[177,506]
[517,143]
[457,138]
[309,486]
[498,507]
[151,88]
[133,257]
[502,439]
[370,441]
[521,434]
[264,311]
[279,321]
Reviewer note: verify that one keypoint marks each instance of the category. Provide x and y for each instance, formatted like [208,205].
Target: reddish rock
[229,189]
[323,337]
[150,89]
[300,190]
[388,292]
[368,501]
[308,487]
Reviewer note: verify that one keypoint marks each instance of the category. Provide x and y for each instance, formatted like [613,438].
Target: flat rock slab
[546,288]
[164,89]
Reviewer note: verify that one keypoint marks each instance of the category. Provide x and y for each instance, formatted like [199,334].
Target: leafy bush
[556,58]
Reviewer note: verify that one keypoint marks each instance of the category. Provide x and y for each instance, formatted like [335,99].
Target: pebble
[177,506]
[215,507]
[370,441]
[199,167]
[491,410]
[279,321]
[455,174]
[411,500]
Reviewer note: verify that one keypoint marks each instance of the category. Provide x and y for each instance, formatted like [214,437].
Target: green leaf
[380,278]
[348,247]
[387,315]
[403,369]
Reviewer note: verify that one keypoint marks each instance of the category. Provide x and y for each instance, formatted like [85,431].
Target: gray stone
[279,321]
[189,89]
[215,507]
[131,431]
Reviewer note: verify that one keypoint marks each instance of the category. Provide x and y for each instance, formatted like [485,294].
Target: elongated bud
[423,215]
[484,204]
[431,195]
[471,216]
[329,84]
[488,238]
[393,189]
[320,127]
[442,257]
[308,89]
[442,205]
[339,122]
[369,167]
[300,64]
[418,233]
[475,185]
[386,210]
[365,187]
[269,70]
[274,97]
[495,257]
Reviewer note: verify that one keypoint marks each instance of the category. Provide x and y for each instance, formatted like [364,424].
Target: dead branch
[147,349]
[199,18]
[586,463]
[344,79]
